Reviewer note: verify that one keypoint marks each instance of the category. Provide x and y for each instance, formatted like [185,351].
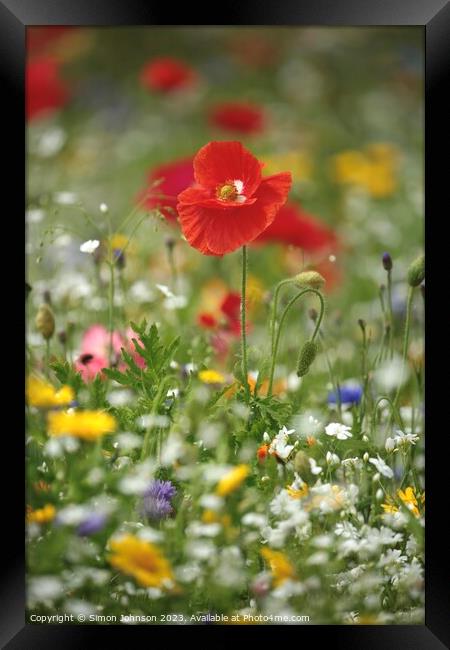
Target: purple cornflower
[157,500]
[92,524]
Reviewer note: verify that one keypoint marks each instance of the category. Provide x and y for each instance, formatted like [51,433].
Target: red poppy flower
[231,203]
[167,74]
[45,90]
[176,177]
[239,117]
[207,320]
[295,227]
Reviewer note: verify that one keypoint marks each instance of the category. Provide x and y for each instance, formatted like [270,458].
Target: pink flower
[95,351]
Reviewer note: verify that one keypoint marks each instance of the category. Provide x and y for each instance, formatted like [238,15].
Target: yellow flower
[297,493]
[42,515]
[232,480]
[279,564]
[211,517]
[255,292]
[118,241]
[374,169]
[298,162]
[43,395]
[142,560]
[211,377]
[409,498]
[88,425]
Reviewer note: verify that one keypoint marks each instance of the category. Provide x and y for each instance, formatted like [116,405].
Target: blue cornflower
[349,393]
[157,500]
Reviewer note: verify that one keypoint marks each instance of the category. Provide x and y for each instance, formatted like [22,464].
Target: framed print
[226,399]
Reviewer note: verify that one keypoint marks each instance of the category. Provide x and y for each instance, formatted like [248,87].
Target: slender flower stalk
[280,327]
[405,340]
[244,323]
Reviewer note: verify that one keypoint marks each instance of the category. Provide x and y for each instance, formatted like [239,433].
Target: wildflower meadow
[225,322]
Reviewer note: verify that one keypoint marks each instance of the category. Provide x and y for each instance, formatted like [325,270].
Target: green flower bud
[310,279]
[45,321]
[416,272]
[306,357]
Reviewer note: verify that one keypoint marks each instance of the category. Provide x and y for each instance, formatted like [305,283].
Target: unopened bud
[376,477]
[387,262]
[45,321]
[379,494]
[306,357]
[310,279]
[366,457]
[362,324]
[416,272]
[389,445]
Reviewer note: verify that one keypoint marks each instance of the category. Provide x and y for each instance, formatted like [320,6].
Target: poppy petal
[219,162]
[293,226]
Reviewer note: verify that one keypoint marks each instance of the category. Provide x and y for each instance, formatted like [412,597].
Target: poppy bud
[416,272]
[306,357]
[45,321]
[310,279]
[387,262]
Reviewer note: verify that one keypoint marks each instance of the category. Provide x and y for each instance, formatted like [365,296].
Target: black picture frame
[434,17]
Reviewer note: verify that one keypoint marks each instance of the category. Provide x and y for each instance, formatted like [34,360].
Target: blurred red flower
[38,38]
[295,227]
[166,74]
[240,117]
[176,177]
[45,90]
[231,203]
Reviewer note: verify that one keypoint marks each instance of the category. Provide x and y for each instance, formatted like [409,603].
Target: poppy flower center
[231,191]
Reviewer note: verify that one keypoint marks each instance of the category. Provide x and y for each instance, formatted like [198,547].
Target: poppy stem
[283,318]
[405,341]
[244,324]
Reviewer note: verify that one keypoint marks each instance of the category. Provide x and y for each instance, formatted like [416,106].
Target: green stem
[394,412]
[405,340]
[334,382]
[154,411]
[111,311]
[47,357]
[244,324]
[391,314]
[280,327]
[273,321]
